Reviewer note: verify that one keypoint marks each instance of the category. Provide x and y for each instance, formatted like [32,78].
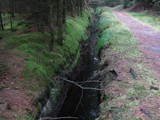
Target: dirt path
[15,101]
[129,98]
[148,39]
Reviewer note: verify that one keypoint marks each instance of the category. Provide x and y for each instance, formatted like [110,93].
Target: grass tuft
[112,31]
[23,117]
[40,63]
[16,41]
[3,69]
[137,92]
[75,32]
[2,86]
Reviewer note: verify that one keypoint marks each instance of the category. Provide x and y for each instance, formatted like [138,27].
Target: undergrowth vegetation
[3,68]
[17,22]
[40,63]
[113,32]
[148,19]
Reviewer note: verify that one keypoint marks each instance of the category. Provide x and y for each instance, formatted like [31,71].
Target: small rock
[8,106]
[134,74]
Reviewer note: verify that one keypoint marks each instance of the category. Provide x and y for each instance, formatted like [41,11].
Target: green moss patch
[113,32]
[3,68]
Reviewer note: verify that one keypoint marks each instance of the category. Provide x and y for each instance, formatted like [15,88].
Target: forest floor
[135,58]
[15,101]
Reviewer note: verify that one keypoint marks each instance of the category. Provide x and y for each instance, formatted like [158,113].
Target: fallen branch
[75,83]
[91,81]
[79,100]
[58,118]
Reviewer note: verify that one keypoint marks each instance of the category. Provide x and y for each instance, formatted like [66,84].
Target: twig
[84,88]
[58,118]
[79,100]
[86,4]
[91,81]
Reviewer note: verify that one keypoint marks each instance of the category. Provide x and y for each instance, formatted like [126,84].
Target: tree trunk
[60,23]
[12,8]
[51,26]
[72,8]
[125,4]
[78,7]
[51,43]
[64,12]
[1,19]
[11,22]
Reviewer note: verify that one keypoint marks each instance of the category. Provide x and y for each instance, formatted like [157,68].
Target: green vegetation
[6,34]
[2,119]
[2,86]
[17,23]
[148,19]
[40,63]
[116,34]
[23,117]
[104,24]
[137,92]
[3,69]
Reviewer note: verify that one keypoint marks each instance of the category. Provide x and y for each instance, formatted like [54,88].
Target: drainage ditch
[79,103]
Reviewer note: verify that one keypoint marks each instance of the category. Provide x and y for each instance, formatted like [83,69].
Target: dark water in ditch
[79,103]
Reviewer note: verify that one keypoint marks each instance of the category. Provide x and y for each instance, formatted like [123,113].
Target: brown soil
[15,101]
